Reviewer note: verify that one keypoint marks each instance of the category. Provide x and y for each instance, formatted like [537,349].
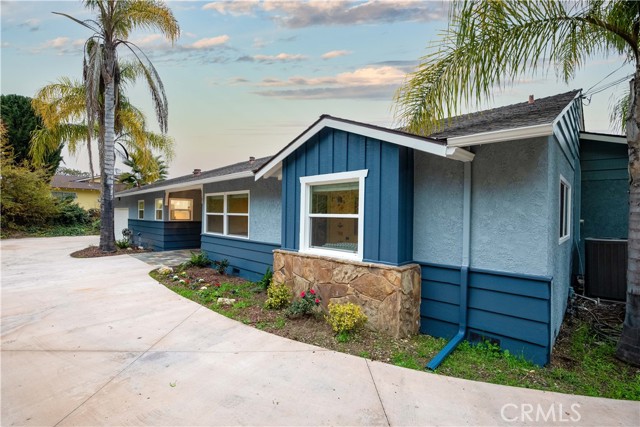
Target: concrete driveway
[97,342]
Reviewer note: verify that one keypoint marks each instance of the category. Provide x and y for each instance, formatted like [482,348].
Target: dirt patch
[95,252]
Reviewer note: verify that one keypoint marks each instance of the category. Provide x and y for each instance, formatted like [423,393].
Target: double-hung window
[565,210]
[159,209]
[180,209]
[227,214]
[140,209]
[332,214]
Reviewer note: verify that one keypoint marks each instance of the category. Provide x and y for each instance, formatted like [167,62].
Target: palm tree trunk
[629,344]
[107,235]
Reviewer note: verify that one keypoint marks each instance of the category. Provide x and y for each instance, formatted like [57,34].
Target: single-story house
[476,225]
[85,191]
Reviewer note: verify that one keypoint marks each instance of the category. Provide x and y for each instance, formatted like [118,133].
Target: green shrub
[199,259]
[346,318]
[304,306]
[221,266]
[266,279]
[70,213]
[123,243]
[278,295]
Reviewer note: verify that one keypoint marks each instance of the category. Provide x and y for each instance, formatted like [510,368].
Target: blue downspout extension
[464,274]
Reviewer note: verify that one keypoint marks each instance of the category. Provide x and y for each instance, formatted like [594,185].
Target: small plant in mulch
[345,319]
[278,296]
[307,304]
[221,266]
[96,252]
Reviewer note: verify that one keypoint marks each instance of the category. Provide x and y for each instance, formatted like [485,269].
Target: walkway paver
[97,342]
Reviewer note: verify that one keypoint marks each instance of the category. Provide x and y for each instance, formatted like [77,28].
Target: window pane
[238,203]
[214,224]
[181,215]
[158,204]
[180,203]
[215,204]
[238,226]
[158,215]
[335,198]
[335,233]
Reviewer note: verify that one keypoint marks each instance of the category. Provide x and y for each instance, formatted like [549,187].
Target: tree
[142,173]
[491,43]
[20,121]
[101,78]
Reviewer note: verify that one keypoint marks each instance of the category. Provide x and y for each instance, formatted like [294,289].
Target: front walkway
[98,342]
[168,258]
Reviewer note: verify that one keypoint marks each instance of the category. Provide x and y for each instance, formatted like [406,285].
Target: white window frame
[190,210]
[161,210]
[306,182]
[140,210]
[565,220]
[225,215]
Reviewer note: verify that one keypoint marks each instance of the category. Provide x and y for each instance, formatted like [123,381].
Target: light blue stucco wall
[437,220]
[509,208]
[264,205]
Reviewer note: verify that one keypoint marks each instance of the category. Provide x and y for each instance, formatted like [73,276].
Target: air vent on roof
[251,160]
[197,171]
[531,100]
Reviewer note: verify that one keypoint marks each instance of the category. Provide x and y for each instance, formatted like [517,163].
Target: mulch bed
[95,252]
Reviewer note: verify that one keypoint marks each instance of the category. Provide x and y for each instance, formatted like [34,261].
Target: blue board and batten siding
[388,216]
[166,235]
[512,309]
[247,259]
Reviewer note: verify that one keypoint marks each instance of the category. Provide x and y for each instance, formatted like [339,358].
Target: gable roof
[394,136]
[520,115]
[73,182]
[225,173]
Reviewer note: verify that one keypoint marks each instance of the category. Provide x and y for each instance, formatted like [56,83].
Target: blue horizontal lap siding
[165,235]
[251,258]
[511,308]
[388,203]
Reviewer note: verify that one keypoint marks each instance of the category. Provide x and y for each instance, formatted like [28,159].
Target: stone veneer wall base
[389,295]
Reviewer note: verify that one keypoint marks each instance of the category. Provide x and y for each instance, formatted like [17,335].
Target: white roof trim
[615,139]
[415,142]
[189,185]
[545,129]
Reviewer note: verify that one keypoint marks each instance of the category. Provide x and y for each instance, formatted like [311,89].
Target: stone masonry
[388,295]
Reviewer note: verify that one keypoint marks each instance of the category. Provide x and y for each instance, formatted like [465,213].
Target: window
[565,210]
[159,209]
[180,209]
[227,214]
[140,209]
[64,195]
[332,214]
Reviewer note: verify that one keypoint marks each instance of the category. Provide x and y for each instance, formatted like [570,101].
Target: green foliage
[279,296]
[305,305]
[145,169]
[346,318]
[20,120]
[266,279]
[25,197]
[221,266]
[123,244]
[199,259]
[70,213]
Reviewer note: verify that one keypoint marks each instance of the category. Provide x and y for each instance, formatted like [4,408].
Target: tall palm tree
[142,172]
[491,43]
[101,76]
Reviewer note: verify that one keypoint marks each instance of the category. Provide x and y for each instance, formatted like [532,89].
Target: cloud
[32,24]
[335,54]
[157,42]
[299,14]
[270,59]
[209,43]
[57,43]
[364,83]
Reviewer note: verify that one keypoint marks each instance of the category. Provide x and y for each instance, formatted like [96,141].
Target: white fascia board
[614,139]
[414,142]
[545,129]
[457,153]
[191,185]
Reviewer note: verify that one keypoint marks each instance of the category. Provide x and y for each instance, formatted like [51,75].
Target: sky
[246,77]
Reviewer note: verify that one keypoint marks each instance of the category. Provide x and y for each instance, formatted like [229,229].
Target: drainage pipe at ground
[464,273]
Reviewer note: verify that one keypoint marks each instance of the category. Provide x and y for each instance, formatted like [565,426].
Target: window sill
[332,254]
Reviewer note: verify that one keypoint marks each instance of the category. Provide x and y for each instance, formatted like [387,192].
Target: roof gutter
[545,129]
[464,274]
[189,184]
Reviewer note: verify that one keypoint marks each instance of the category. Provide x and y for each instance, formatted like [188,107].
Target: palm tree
[101,78]
[142,172]
[491,43]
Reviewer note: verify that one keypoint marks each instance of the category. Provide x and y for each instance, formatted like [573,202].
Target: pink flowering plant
[307,303]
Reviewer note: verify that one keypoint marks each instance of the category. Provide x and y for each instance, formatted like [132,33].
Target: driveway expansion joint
[377,392]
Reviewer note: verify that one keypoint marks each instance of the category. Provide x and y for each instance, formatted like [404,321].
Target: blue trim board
[511,308]
[250,258]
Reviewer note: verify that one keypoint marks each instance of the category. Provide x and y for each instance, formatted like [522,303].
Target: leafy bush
[346,318]
[123,243]
[305,305]
[221,266]
[70,213]
[266,279]
[199,259]
[278,295]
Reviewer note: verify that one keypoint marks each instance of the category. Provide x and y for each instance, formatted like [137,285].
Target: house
[471,229]
[85,191]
